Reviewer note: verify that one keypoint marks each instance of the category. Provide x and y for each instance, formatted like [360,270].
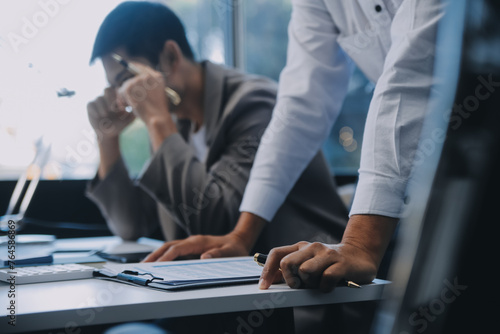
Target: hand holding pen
[144,90]
[313,265]
[134,70]
[261,259]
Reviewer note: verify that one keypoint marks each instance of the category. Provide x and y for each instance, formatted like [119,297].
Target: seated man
[202,148]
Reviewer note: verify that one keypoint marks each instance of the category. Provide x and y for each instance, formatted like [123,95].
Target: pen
[172,94]
[261,260]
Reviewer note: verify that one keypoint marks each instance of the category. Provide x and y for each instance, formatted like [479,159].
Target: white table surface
[70,304]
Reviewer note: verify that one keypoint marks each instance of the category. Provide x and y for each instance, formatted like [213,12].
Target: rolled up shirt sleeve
[397,111]
[311,91]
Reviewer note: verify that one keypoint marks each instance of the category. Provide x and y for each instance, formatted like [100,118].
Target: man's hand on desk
[239,242]
[317,265]
[207,245]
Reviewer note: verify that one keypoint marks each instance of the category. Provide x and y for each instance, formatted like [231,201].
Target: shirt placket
[379,18]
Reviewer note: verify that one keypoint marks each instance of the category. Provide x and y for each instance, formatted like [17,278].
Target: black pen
[261,261]
[172,94]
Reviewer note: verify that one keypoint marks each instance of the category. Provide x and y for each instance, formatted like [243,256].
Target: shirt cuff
[262,200]
[379,195]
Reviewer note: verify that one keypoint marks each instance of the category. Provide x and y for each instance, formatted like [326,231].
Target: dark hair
[141,28]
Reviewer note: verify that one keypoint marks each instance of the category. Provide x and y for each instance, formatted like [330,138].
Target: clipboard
[181,275]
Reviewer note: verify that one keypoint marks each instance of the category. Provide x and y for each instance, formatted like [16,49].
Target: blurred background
[46,79]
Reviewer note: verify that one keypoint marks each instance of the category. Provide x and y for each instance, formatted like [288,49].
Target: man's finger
[331,277]
[278,278]
[290,263]
[171,254]
[215,250]
[91,108]
[101,107]
[130,90]
[223,251]
[110,95]
[272,265]
[159,252]
[303,268]
[213,253]
[181,249]
[310,272]
[193,245]
[321,257]
[153,256]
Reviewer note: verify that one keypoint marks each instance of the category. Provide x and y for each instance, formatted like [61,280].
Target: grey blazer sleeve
[129,212]
[206,200]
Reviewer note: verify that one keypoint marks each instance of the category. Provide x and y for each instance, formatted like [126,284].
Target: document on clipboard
[189,274]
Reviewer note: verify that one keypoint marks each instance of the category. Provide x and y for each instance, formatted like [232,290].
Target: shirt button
[378,8]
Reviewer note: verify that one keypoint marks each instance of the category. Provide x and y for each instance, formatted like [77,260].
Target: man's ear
[170,57]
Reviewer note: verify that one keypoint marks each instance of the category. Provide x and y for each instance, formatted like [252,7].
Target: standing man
[393,43]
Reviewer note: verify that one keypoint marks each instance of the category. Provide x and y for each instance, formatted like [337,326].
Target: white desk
[70,304]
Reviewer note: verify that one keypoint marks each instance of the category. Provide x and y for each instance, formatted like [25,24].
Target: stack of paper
[185,274]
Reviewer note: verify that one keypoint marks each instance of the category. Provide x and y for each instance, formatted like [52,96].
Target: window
[265,36]
[46,81]
[342,149]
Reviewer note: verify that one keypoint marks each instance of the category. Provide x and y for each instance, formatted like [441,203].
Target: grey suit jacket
[184,196]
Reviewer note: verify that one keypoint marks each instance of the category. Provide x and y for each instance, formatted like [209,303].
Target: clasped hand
[144,93]
[317,265]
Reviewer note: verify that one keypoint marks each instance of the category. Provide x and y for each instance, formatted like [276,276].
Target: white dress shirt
[393,43]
